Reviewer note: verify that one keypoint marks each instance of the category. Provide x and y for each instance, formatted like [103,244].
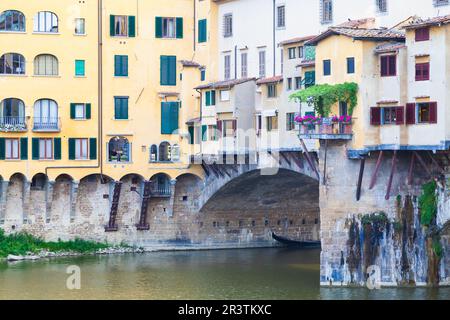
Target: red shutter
[234,127]
[400,115]
[426,71]
[410,113]
[375,116]
[433,112]
[422,34]
[384,66]
[418,72]
[392,65]
[219,127]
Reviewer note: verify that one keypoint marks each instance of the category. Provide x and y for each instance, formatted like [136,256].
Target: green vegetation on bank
[22,243]
[428,203]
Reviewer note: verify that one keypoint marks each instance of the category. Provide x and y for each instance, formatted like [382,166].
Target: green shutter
[35,148]
[204,137]
[164,66]
[112,30]
[71,149]
[174,110]
[180,28]
[125,66]
[88,110]
[191,134]
[120,66]
[165,118]
[213,98]
[121,108]
[168,70]
[2,148]
[79,67]
[117,66]
[208,98]
[214,133]
[93,148]
[57,148]
[158,27]
[131,26]
[124,106]
[202,30]
[23,148]
[172,70]
[72,111]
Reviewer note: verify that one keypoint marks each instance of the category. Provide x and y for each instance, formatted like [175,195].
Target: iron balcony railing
[47,124]
[326,129]
[160,190]
[12,124]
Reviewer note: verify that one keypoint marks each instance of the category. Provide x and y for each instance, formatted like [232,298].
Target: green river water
[277,273]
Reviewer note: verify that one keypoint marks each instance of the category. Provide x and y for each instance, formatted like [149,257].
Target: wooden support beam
[373,181]
[433,160]
[325,164]
[423,164]
[285,158]
[309,160]
[217,169]
[360,178]
[205,168]
[391,176]
[411,169]
[226,171]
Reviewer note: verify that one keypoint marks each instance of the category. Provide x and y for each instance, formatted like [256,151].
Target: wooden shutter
[88,110]
[2,148]
[179,28]
[191,134]
[131,26]
[219,127]
[164,70]
[112,29]
[158,27]
[375,116]
[72,111]
[384,66]
[124,70]
[165,118]
[204,136]
[392,65]
[71,149]
[124,108]
[213,98]
[433,112]
[410,113]
[172,70]
[174,110]
[57,148]
[400,115]
[208,98]
[23,148]
[202,31]
[93,148]
[234,124]
[35,148]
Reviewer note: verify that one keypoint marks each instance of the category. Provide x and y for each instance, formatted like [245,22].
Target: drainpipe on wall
[235,62]
[195,25]
[274,39]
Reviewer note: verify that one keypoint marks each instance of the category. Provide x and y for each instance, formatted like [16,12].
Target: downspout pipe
[274,39]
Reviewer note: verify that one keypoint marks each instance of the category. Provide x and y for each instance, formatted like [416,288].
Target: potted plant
[346,123]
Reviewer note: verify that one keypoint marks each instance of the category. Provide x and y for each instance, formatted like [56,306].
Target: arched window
[12,63]
[153,153]
[119,150]
[45,21]
[161,185]
[164,152]
[12,20]
[45,115]
[175,154]
[46,65]
[12,112]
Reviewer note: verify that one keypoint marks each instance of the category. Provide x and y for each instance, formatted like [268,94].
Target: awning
[270,113]
[193,121]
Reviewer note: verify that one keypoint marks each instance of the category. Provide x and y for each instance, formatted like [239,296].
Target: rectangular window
[272,90]
[389,115]
[170,117]
[272,123]
[229,128]
[292,53]
[301,52]
[290,123]
[168,70]
[281,17]
[381,6]
[422,34]
[227,67]
[422,71]
[438,3]
[262,64]
[202,31]
[212,136]
[225,95]
[120,26]
[388,66]
[350,65]
[289,83]
[244,65]
[80,111]
[326,67]
[228,25]
[298,82]
[202,74]
[81,149]
[423,111]
[120,108]
[169,27]
[45,149]
[310,78]
[11,149]
[326,11]
[80,28]
[210,98]
[120,66]
[80,68]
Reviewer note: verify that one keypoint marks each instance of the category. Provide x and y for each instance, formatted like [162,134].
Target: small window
[210,98]
[327,11]
[272,123]
[272,90]
[381,6]
[12,63]
[120,108]
[169,27]
[202,74]
[212,133]
[290,123]
[350,65]
[121,26]
[45,65]
[81,149]
[262,64]
[12,20]
[298,83]
[227,67]
[389,115]
[153,153]
[422,71]
[120,66]
[80,68]
[45,21]
[229,128]
[326,67]
[11,149]
[225,95]
[228,25]
[422,34]
[45,149]
[388,66]
[301,52]
[281,17]
[292,53]
[80,111]
[244,65]
[289,83]
[80,27]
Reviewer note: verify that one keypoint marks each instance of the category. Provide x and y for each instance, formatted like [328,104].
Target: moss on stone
[428,203]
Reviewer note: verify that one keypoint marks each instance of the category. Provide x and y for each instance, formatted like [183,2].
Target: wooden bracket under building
[360,178]
[309,160]
[391,176]
[373,181]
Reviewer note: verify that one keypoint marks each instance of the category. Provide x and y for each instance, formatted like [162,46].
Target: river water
[277,273]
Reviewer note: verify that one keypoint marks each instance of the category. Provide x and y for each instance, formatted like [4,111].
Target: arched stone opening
[130,200]
[16,195]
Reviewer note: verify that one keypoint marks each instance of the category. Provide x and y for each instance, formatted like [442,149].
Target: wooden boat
[297,243]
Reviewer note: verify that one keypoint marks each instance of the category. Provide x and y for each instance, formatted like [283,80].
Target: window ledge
[46,33]
[80,34]
[84,119]
[13,75]
[118,162]
[80,77]
[123,77]
[82,160]
[14,32]
[14,160]
[45,76]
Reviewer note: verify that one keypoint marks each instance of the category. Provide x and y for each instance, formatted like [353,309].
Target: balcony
[161,191]
[47,124]
[13,124]
[326,130]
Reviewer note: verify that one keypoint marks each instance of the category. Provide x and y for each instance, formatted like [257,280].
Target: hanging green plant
[324,96]
[428,203]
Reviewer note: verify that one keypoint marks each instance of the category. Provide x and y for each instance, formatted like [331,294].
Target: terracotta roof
[419,22]
[356,23]
[307,63]
[295,40]
[270,80]
[187,63]
[360,34]
[225,84]
[389,47]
